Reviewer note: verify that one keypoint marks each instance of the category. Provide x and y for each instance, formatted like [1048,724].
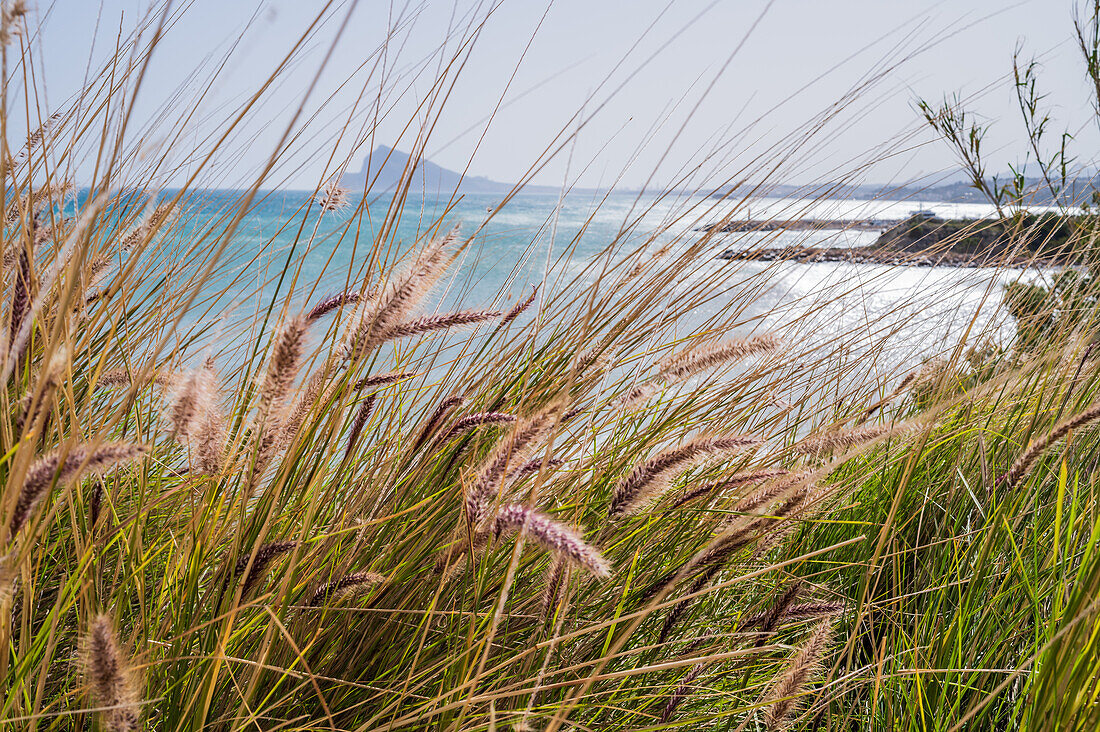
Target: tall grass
[566,514]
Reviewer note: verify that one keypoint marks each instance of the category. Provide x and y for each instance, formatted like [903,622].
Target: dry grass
[278,517]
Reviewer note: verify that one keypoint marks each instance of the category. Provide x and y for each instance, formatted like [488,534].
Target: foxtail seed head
[649,479]
[551,536]
[112,683]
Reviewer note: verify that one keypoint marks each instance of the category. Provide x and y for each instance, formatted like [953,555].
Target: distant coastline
[385,168]
[923,241]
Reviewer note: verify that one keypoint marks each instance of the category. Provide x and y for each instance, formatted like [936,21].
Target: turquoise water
[548,240]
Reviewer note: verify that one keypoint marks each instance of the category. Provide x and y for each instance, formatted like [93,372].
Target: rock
[1022,241]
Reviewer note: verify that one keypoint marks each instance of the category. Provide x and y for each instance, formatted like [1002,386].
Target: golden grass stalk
[78,461]
[784,695]
[552,536]
[112,682]
[1024,463]
[649,479]
[912,380]
[347,582]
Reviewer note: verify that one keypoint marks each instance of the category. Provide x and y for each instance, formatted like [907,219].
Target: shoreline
[871,255]
[803,225]
[926,241]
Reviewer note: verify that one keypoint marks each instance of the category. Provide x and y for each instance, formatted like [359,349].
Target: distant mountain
[383,168]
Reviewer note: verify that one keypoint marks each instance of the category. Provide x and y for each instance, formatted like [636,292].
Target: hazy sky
[661,86]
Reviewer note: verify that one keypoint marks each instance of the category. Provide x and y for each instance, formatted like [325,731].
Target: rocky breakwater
[798,225]
[1020,241]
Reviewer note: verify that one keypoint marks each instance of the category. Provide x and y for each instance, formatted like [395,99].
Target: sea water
[903,314]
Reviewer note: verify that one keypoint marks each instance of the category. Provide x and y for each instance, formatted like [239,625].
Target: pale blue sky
[661,82]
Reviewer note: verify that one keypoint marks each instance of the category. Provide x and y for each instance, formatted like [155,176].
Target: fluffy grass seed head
[79,459]
[402,293]
[840,439]
[1023,464]
[436,419]
[112,683]
[331,303]
[265,555]
[336,587]
[682,692]
[334,197]
[683,366]
[512,448]
[431,323]
[790,685]
[362,416]
[283,364]
[379,380]
[470,421]
[520,307]
[649,479]
[738,480]
[552,536]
